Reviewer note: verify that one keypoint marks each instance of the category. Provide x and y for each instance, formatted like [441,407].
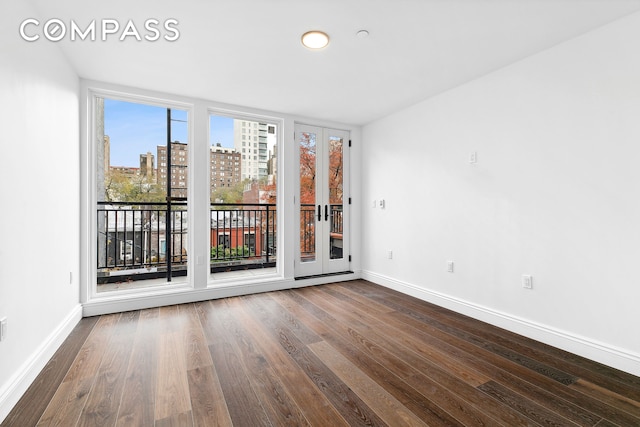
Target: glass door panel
[308,158]
[336,172]
[322,221]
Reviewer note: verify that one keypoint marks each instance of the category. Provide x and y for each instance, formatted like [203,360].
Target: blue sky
[221,130]
[135,129]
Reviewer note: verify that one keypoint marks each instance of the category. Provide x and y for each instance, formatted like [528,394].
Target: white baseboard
[18,384]
[609,355]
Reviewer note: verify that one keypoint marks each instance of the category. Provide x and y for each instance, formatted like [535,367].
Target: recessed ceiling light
[315,39]
[362,34]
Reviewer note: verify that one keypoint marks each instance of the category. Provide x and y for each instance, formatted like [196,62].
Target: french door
[323,202]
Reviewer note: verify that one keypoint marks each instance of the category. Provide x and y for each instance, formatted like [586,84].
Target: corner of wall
[12,391]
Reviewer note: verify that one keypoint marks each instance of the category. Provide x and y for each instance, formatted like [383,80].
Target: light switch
[473,157]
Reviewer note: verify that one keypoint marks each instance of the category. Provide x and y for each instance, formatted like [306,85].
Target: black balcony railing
[133,242]
[243,236]
[307,231]
[309,214]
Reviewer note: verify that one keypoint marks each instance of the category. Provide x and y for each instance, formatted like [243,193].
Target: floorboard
[37,397]
[350,353]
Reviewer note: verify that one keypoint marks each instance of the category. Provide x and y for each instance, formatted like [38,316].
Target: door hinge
[349,200]
[349,143]
[349,258]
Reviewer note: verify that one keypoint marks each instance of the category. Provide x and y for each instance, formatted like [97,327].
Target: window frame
[89,292]
[198,282]
[279,124]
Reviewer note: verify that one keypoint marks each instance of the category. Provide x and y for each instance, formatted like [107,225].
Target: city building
[250,139]
[106,154]
[272,164]
[179,168]
[125,171]
[226,167]
[147,166]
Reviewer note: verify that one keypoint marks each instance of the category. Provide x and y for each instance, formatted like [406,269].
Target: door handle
[326,212]
[319,213]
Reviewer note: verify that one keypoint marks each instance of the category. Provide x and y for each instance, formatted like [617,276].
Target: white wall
[39,203]
[555,194]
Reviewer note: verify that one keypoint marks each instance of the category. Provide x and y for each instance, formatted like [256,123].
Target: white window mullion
[199,197]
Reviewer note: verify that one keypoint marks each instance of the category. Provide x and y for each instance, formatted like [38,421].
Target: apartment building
[226,167]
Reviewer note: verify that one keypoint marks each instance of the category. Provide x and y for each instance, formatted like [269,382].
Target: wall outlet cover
[3,328]
[473,157]
[450,266]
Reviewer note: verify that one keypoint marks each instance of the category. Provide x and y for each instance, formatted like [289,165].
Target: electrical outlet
[450,266]
[3,328]
[382,203]
[527,281]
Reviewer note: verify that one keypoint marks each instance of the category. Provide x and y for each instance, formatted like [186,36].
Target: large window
[142,187]
[243,179]
[153,174]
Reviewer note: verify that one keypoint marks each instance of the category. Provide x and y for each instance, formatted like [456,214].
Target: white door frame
[322,261]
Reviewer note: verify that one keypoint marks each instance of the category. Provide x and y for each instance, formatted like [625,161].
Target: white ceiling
[248,52]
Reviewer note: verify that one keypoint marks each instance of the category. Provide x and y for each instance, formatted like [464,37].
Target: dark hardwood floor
[349,353]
